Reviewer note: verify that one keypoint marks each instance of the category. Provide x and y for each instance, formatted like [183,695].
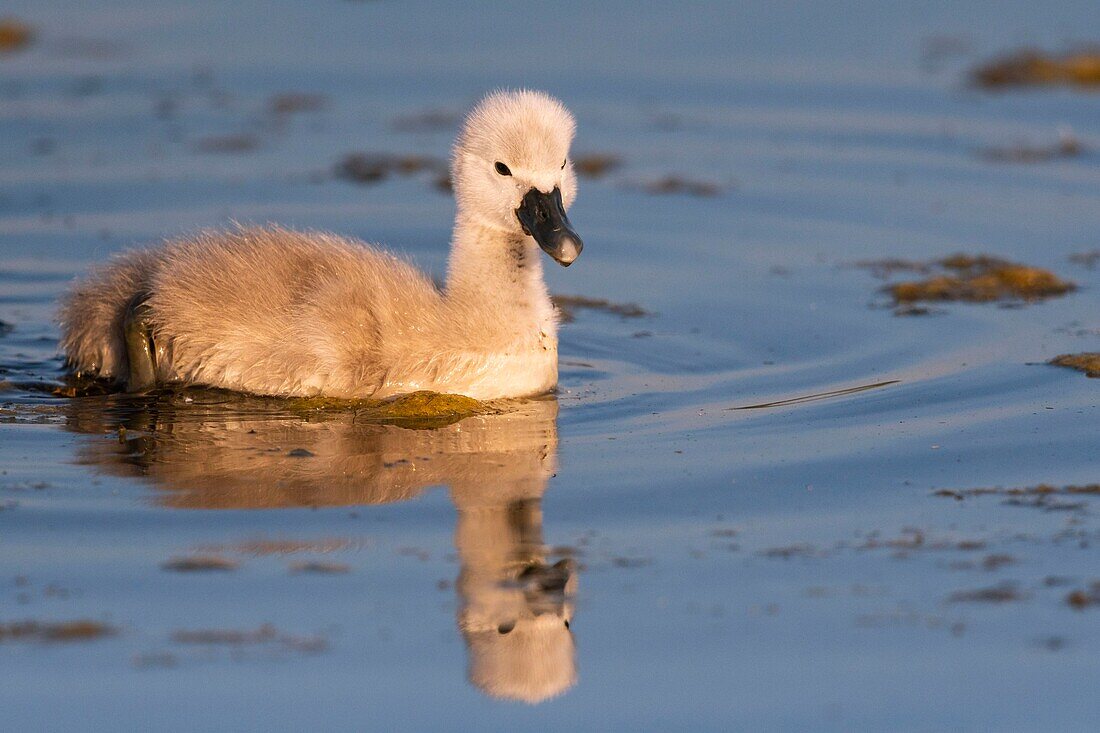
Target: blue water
[733,569]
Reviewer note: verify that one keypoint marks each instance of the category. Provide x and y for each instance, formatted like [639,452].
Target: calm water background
[778,568]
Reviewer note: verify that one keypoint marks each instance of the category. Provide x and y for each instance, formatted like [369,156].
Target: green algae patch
[1087,362]
[59,631]
[1028,68]
[422,410]
[969,279]
[418,410]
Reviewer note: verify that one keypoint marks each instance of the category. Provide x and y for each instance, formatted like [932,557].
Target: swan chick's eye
[502,169]
[563,163]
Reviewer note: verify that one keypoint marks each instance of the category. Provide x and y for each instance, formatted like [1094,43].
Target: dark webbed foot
[140,351]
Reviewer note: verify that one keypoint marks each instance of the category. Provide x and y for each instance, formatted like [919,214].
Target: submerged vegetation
[1029,67]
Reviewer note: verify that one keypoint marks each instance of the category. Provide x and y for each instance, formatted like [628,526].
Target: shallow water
[788,566]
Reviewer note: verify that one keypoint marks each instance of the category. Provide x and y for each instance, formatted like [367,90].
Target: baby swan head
[511,169]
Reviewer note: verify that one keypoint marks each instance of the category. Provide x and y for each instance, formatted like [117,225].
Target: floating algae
[431,120]
[14,35]
[318,567]
[1067,146]
[288,103]
[970,279]
[80,630]
[265,635]
[229,144]
[1088,260]
[1087,362]
[260,547]
[568,305]
[417,410]
[673,185]
[1034,68]
[1038,490]
[374,167]
[596,165]
[1079,600]
[200,564]
[1003,593]
[422,410]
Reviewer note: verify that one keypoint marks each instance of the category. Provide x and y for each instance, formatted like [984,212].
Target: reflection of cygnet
[213,452]
[515,610]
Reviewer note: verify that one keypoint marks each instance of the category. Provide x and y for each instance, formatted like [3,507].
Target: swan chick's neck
[499,273]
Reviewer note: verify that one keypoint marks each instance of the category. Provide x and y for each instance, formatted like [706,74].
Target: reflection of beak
[542,216]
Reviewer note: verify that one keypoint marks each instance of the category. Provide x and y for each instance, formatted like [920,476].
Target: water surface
[784,567]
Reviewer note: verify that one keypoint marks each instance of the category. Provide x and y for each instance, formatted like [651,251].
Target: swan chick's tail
[94,312]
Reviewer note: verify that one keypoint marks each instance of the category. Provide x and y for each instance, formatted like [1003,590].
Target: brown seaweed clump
[1079,600]
[80,630]
[1028,67]
[14,35]
[1044,497]
[979,279]
[1087,362]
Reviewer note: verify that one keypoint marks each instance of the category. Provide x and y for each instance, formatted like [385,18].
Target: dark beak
[542,216]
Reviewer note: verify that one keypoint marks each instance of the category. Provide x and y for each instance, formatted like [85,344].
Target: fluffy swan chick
[277,312]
